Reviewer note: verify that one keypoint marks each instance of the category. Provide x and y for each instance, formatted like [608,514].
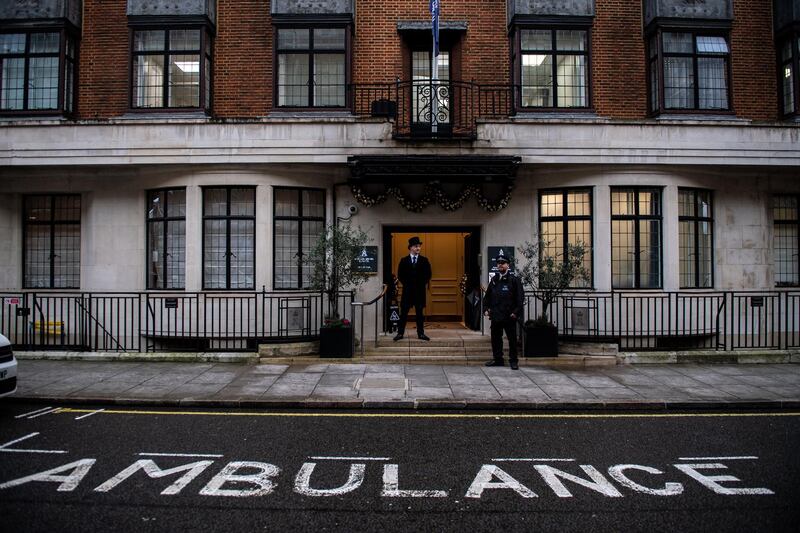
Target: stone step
[415,343]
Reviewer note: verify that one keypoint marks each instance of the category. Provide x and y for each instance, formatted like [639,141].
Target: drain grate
[382,383]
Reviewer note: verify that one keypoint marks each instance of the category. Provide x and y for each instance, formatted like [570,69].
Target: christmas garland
[433,193]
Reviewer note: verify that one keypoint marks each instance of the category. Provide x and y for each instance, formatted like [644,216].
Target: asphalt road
[123,469]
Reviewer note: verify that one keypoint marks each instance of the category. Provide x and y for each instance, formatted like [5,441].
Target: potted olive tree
[332,272]
[548,276]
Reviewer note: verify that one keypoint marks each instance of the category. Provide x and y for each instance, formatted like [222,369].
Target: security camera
[352,209]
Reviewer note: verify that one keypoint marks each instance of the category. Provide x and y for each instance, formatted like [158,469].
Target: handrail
[361,306]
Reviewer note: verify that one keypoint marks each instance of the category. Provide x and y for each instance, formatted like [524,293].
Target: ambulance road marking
[733,458]
[89,414]
[430,415]
[159,454]
[531,459]
[5,447]
[318,457]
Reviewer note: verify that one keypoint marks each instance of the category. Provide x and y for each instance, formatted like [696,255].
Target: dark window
[788,83]
[425,93]
[785,240]
[229,235]
[565,217]
[635,238]
[312,67]
[166,239]
[32,77]
[554,68]
[299,221]
[171,69]
[696,236]
[688,71]
[52,241]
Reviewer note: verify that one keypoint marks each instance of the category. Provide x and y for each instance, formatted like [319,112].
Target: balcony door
[430,99]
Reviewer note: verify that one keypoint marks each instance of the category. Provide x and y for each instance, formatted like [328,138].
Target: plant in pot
[332,272]
[548,275]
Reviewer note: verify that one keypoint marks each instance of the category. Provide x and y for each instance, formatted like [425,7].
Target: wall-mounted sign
[493,252]
[366,260]
[11,301]
[170,303]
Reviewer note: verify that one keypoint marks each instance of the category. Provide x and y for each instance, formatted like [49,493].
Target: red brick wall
[103,60]
[619,75]
[755,92]
[242,59]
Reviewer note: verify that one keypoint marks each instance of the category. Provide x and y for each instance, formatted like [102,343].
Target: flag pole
[434,7]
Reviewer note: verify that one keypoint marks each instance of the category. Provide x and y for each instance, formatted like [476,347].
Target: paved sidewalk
[411,386]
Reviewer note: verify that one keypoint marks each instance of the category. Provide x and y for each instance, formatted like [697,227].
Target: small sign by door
[11,301]
[170,303]
[366,260]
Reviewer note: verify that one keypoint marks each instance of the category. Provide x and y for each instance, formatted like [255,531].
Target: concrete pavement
[432,386]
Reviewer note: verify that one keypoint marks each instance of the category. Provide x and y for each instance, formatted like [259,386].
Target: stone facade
[19,10]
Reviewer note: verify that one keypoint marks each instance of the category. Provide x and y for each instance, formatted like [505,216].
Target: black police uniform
[504,297]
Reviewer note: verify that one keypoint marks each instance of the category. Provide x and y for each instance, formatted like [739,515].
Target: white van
[8,368]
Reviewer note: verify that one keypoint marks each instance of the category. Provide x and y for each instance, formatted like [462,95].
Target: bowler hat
[501,259]
[414,241]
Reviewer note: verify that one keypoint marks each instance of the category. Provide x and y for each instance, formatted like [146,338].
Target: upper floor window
[33,78]
[787,71]
[52,241]
[312,67]
[554,68]
[171,69]
[688,71]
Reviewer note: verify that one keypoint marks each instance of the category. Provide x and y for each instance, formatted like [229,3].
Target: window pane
[678,83]
[12,43]
[43,83]
[536,39]
[12,91]
[155,204]
[685,203]
[293,39]
[580,232]
[184,40]
[313,203]
[788,89]
[37,256]
[705,262]
[687,253]
[623,273]
[176,203]
[45,43]
[176,254]
[711,45]
[69,84]
[286,254]
[784,247]
[38,208]
[650,254]
[214,250]
[66,255]
[311,234]
[786,51]
[184,81]
[215,202]
[537,80]
[649,202]
[571,72]
[68,208]
[784,208]
[329,79]
[654,98]
[293,80]
[155,261]
[553,239]
[623,202]
[242,254]
[680,43]
[552,204]
[578,204]
[570,40]
[329,39]
[704,204]
[148,83]
[148,41]
[713,83]
[286,203]
[243,202]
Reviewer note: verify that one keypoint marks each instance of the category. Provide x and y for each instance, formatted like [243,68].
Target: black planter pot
[336,342]
[541,341]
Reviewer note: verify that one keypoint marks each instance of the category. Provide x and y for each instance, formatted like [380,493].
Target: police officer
[503,305]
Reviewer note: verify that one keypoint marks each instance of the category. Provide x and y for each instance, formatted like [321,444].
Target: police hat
[414,241]
[501,259]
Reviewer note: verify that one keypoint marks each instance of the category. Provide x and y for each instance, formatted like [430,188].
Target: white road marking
[597,483]
[77,471]
[484,480]
[158,454]
[23,415]
[5,447]
[90,414]
[713,482]
[262,480]
[532,459]
[736,457]
[391,486]
[53,410]
[302,482]
[318,457]
[154,472]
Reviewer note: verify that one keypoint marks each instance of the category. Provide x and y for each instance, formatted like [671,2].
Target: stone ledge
[141,357]
[710,357]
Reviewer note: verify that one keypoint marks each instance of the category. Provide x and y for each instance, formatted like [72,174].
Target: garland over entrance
[419,181]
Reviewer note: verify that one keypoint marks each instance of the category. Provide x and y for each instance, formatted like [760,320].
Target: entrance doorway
[454,256]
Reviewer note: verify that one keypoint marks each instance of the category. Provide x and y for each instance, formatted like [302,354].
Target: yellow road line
[422,415]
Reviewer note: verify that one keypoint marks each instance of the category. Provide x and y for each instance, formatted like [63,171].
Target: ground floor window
[166,239]
[229,235]
[565,217]
[636,238]
[52,241]
[299,220]
[696,238]
[785,240]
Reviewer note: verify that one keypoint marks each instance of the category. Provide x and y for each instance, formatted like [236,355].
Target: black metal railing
[149,321]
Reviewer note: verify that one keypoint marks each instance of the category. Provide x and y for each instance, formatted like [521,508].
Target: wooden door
[446,254]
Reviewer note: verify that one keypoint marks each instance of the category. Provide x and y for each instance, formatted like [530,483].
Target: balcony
[432,109]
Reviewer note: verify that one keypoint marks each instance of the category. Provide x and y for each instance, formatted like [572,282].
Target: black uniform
[504,297]
[415,278]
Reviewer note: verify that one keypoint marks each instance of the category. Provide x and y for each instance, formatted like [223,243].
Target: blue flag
[434,6]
